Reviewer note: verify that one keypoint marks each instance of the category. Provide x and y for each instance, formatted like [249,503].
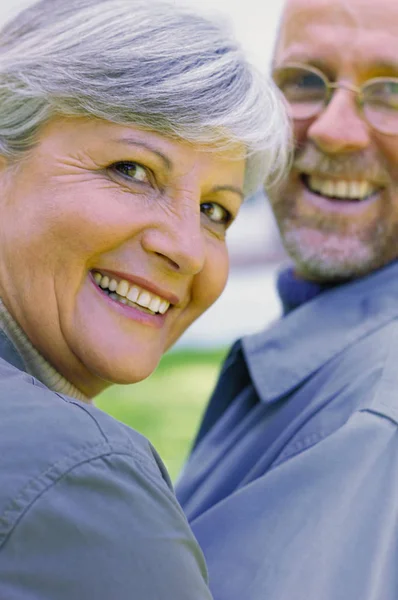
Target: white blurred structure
[249,301]
[255,23]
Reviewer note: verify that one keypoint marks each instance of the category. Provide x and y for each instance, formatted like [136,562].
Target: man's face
[338,209]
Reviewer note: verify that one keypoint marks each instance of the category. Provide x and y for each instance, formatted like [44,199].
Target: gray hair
[146,62]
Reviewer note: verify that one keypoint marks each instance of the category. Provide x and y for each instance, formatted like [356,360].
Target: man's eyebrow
[383,64]
[310,60]
[376,63]
[133,142]
[307,60]
[229,188]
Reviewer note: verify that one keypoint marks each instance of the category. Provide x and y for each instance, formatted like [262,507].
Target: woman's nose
[178,238]
[340,128]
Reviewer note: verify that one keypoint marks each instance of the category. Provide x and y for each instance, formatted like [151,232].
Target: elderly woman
[130,132]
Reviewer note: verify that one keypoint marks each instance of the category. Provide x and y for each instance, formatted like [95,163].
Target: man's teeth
[126,293]
[353,190]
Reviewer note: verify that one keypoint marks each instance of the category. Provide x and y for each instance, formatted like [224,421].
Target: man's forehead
[355,13]
[302,18]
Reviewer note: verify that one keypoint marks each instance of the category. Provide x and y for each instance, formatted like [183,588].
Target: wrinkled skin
[69,208]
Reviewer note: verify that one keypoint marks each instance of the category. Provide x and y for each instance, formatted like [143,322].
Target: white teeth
[122,287]
[164,305]
[154,304]
[355,190]
[144,299]
[329,188]
[133,293]
[342,189]
[133,296]
[104,282]
[365,189]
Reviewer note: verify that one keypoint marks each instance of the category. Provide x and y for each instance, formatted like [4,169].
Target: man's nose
[340,127]
[178,239]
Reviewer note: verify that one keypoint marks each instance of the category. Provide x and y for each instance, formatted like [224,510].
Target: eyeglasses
[308,91]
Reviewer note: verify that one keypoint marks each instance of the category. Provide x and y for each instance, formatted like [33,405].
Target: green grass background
[167,406]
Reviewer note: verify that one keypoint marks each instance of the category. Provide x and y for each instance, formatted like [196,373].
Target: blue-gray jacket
[87,511]
[292,488]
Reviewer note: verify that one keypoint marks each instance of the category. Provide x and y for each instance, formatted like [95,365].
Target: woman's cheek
[210,283]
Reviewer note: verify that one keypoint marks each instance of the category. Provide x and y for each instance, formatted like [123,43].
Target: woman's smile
[132,296]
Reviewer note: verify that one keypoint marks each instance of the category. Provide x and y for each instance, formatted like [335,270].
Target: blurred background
[167,407]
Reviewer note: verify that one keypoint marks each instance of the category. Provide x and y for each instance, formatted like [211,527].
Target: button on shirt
[291,489]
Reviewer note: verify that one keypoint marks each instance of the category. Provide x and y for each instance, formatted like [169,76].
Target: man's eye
[299,84]
[383,93]
[216,213]
[303,86]
[132,170]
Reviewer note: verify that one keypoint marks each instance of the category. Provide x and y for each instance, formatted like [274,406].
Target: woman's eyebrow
[133,142]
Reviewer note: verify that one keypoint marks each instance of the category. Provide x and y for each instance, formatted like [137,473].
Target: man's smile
[345,190]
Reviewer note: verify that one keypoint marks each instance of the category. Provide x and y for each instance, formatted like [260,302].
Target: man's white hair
[158,65]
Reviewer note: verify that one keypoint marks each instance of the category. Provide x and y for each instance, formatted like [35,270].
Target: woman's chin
[115,352]
[102,366]
[127,376]
[123,372]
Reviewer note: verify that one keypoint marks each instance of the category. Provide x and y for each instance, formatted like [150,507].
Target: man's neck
[295,289]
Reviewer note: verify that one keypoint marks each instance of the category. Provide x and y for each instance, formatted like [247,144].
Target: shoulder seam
[37,486]
[69,400]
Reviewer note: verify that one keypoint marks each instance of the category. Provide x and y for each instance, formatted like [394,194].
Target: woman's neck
[35,363]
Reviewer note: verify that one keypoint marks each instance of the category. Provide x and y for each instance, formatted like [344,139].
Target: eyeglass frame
[332,86]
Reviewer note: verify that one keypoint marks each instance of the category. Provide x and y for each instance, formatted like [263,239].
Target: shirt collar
[294,291]
[288,352]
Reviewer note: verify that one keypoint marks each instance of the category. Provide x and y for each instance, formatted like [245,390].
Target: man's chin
[328,257]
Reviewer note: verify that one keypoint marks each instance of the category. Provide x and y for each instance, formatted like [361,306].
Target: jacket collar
[292,349]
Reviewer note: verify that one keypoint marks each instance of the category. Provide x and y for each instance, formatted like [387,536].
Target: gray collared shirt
[292,488]
[87,510]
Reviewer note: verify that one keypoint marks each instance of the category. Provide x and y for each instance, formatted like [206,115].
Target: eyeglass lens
[307,94]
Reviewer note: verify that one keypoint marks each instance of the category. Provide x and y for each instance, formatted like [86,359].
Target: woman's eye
[132,170]
[216,213]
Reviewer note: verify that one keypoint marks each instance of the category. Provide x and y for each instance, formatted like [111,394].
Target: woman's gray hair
[158,65]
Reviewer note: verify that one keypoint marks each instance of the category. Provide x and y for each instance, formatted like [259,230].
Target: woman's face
[98,214]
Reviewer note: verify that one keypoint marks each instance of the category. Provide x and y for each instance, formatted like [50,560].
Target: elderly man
[292,487]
